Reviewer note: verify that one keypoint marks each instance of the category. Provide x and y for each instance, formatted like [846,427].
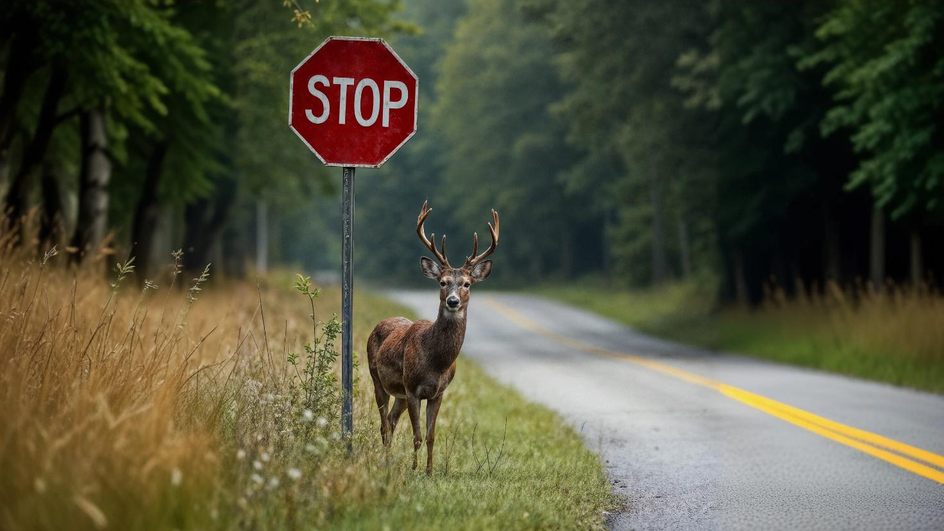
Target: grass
[896,336]
[126,407]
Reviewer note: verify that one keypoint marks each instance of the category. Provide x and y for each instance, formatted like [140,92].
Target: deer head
[455,282]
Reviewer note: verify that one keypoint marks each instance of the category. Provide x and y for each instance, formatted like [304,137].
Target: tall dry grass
[115,398]
[901,321]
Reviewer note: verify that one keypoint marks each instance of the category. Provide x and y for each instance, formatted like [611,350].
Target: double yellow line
[910,458]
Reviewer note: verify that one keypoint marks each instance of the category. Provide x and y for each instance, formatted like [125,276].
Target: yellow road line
[864,441]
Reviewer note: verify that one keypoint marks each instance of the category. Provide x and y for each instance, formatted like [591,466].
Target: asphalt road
[700,440]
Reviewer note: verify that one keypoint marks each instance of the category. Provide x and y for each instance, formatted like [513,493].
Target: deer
[415,361]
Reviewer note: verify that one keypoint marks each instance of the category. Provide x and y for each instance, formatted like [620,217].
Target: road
[699,440]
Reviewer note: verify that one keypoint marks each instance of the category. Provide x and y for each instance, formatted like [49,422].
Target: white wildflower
[241,454]
[322,422]
[308,415]
[256,478]
[176,476]
[310,448]
[257,465]
[294,473]
[273,482]
[265,457]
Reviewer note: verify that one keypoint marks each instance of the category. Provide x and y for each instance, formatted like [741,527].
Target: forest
[630,143]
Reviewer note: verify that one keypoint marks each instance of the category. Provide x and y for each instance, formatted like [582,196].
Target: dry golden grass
[106,391]
[127,407]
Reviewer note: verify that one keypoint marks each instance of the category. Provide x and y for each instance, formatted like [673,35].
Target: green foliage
[316,380]
[885,64]
[496,81]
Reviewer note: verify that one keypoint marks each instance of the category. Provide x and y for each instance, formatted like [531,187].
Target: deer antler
[494,229]
[431,245]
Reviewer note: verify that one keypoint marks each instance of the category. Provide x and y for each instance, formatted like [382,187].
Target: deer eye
[442,283]
[466,285]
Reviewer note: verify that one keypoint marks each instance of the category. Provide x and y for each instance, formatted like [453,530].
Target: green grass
[893,337]
[545,478]
[501,462]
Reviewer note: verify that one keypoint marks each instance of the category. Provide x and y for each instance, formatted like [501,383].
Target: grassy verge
[158,408]
[895,337]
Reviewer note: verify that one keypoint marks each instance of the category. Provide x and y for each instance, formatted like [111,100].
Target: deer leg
[399,406]
[413,405]
[432,413]
[383,398]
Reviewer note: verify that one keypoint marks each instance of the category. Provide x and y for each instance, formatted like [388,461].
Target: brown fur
[417,361]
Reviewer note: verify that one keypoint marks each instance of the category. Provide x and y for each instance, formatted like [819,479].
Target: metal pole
[347,291]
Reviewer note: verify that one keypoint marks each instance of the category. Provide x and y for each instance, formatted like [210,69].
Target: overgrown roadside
[150,407]
[895,336]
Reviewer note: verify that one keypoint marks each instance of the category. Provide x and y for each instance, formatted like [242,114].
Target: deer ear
[481,270]
[430,269]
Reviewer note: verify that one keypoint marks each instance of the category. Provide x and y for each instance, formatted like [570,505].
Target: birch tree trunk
[30,166]
[92,223]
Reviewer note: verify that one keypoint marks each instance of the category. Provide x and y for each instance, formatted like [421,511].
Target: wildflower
[176,476]
[322,422]
[294,473]
[273,482]
[308,415]
[265,457]
[310,448]
[257,465]
[241,454]
[256,478]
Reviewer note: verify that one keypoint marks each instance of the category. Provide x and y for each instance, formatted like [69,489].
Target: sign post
[353,102]
[347,302]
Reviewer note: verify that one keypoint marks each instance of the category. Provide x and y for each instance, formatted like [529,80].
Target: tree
[885,65]
[504,151]
[619,58]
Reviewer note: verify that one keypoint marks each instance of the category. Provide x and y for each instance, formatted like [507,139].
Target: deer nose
[452,301]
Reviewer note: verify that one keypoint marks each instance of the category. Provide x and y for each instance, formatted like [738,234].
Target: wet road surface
[700,440]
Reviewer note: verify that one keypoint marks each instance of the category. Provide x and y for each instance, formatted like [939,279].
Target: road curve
[700,440]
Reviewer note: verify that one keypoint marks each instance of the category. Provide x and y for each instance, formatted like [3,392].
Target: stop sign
[353,102]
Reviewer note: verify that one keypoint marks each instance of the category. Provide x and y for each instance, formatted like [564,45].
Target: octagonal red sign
[353,102]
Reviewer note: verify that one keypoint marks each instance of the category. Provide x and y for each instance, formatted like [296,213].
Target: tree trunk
[205,219]
[51,230]
[35,151]
[566,263]
[659,263]
[831,254]
[741,292]
[917,259]
[877,249]
[147,213]
[262,236]
[685,249]
[20,65]
[92,224]
[606,247]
